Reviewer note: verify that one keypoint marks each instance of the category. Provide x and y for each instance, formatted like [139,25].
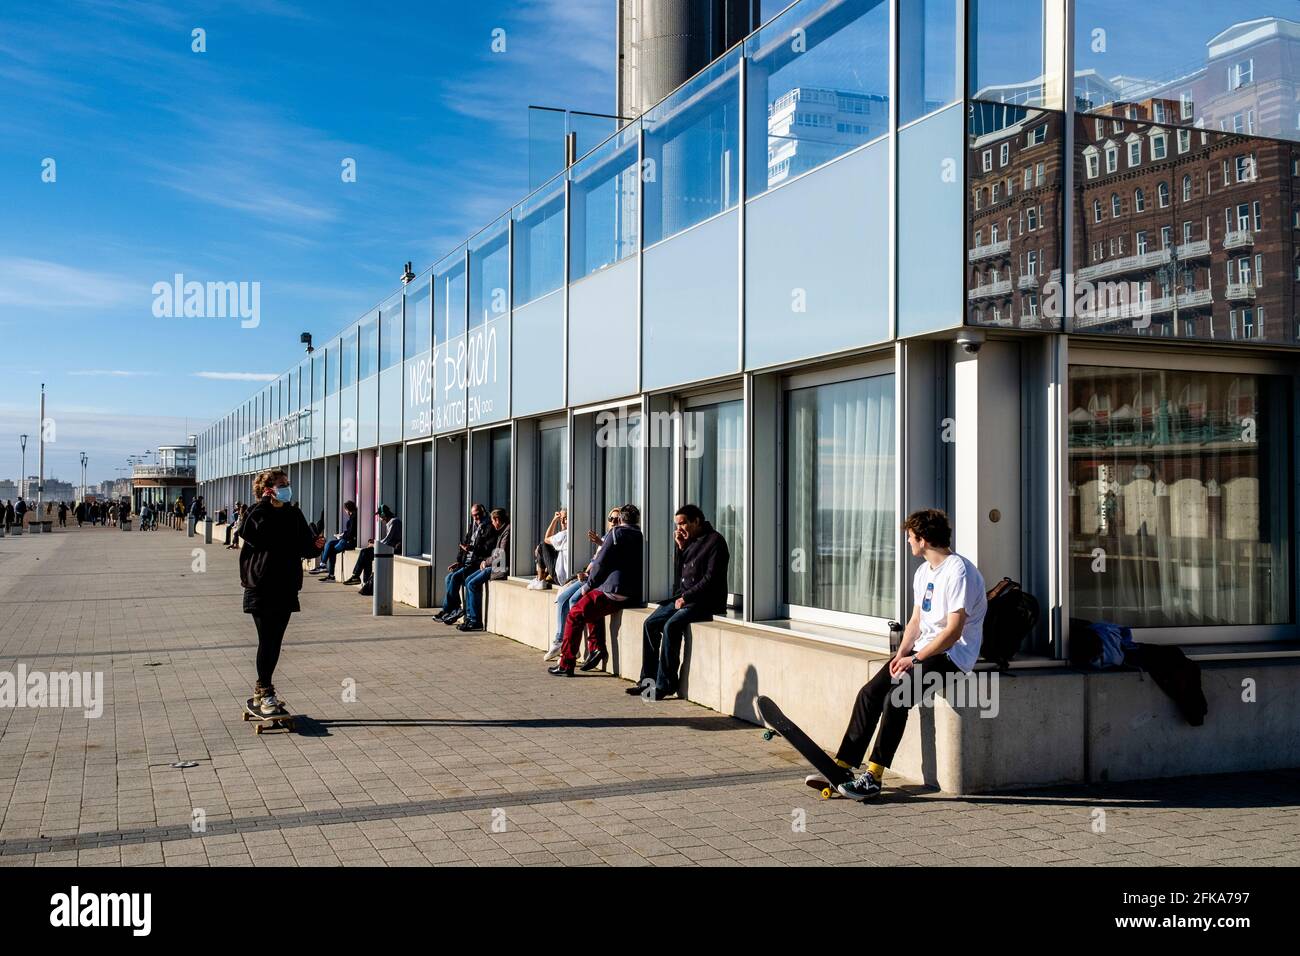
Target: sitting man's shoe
[469,626]
[534,585]
[454,616]
[595,660]
[554,653]
[864,787]
[326,579]
[559,670]
[366,590]
[353,580]
[639,688]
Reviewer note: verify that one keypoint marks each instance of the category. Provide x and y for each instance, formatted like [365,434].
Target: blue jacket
[617,566]
[350,532]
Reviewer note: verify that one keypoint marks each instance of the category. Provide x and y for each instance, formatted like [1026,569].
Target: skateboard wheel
[246,717]
[769,734]
[826,793]
[257,729]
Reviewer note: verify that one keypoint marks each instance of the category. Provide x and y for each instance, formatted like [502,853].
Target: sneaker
[454,616]
[534,585]
[554,653]
[270,704]
[354,580]
[864,787]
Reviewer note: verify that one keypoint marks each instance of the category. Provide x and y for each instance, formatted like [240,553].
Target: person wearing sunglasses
[569,596]
[614,581]
[475,547]
[276,540]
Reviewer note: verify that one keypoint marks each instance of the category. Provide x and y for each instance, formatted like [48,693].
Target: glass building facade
[1014,259]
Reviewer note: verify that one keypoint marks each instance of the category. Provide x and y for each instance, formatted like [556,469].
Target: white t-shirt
[955,585]
[558,542]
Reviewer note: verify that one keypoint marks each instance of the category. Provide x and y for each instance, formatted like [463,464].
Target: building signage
[291,430]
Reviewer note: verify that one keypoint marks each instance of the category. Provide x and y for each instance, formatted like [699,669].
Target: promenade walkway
[459,749]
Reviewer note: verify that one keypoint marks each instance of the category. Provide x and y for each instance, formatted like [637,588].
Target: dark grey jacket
[617,566]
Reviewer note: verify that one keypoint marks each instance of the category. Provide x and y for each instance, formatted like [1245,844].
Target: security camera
[305,339]
[970,340]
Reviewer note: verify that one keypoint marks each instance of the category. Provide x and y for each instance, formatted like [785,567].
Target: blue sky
[225,166]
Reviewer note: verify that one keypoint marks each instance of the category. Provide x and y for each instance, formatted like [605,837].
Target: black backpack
[1011,615]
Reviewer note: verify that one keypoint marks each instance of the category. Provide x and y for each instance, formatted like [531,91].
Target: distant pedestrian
[63,514]
[276,540]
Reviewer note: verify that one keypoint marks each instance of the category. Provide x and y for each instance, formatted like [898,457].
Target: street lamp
[22,478]
[84,459]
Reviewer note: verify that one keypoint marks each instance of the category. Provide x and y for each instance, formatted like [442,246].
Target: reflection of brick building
[1014,170]
[1203,219]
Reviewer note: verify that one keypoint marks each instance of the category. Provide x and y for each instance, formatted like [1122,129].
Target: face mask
[284,494]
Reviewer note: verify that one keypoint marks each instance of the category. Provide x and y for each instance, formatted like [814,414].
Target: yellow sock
[876,770]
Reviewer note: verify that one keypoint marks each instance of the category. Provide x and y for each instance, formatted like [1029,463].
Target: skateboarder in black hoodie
[276,540]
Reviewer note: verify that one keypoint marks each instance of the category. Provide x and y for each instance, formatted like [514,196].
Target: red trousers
[587,615]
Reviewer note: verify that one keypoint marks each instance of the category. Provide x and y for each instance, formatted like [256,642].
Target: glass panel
[369,330]
[1179,503]
[618,470]
[499,474]
[449,299]
[1012,53]
[929,56]
[489,274]
[1221,66]
[390,333]
[348,358]
[318,375]
[840,526]
[546,129]
[931,244]
[1015,165]
[417,318]
[820,74]
[552,477]
[333,365]
[539,245]
[1183,233]
[715,478]
[691,151]
[589,131]
[603,225]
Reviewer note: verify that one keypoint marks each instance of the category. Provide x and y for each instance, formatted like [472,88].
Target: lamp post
[84,460]
[22,478]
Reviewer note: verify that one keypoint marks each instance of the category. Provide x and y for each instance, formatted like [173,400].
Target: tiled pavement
[459,749]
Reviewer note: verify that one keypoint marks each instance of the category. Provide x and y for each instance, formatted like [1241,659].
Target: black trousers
[270,635]
[875,704]
[545,556]
[365,564]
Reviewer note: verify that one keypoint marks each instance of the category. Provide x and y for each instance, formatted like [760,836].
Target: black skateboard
[282,720]
[829,774]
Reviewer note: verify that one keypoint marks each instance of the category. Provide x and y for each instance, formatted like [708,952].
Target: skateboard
[264,722]
[829,773]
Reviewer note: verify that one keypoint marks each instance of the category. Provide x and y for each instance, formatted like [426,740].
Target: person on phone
[943,636]
[474,547]
[492,568]
[276,540]
[345,540]
[699,592]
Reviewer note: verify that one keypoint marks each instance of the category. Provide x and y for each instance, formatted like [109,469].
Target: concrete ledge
[1048,726]
[412,581]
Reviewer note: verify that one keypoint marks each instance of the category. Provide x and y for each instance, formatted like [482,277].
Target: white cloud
[39,283]
[117,372]
[238,376]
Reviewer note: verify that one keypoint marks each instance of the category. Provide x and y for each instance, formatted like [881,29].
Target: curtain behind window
[840,522]
[715,476]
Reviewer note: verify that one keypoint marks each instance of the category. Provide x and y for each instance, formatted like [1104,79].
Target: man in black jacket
[699,592]
[345,540]
[613,583]
[474,547]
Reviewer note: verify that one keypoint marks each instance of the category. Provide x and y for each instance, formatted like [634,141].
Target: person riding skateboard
[276,540]
[943,636]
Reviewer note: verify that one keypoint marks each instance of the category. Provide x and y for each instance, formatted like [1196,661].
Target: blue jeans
[474,595]
[661,643]
[451,587]
[332,550]
[567,597]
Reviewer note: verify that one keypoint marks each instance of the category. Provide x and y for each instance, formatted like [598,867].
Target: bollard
[2,530]
[383,581]
[35,527]
[190,523]
[207,530]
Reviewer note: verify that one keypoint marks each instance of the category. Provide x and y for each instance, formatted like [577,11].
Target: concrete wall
[1052,726]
